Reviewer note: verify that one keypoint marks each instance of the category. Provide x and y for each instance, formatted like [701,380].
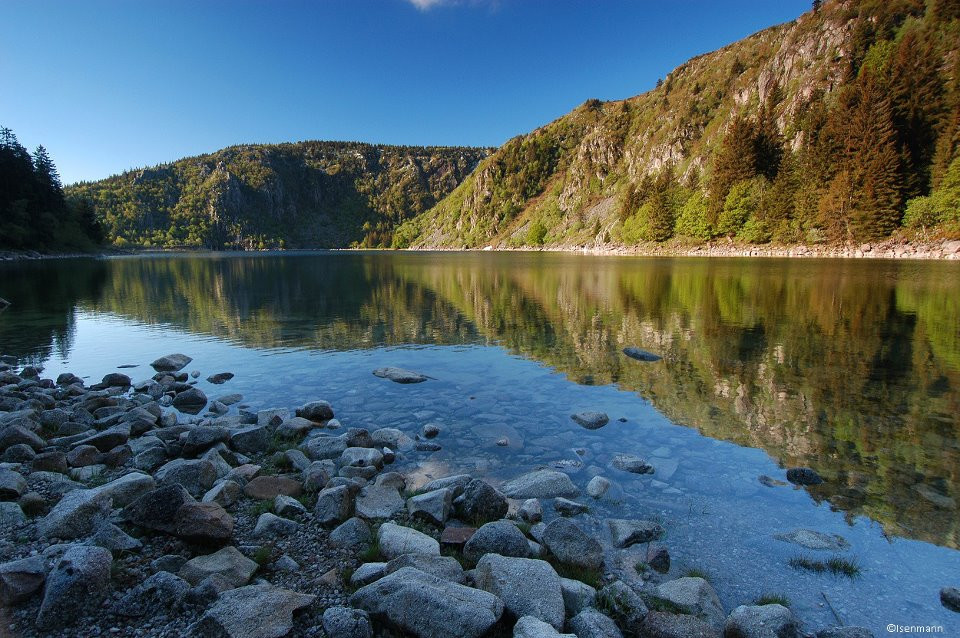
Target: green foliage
[773,599]
[536,233]
[742,202]
[836,565]
[692,220]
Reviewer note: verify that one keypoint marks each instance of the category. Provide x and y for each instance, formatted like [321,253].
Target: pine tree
[735,161]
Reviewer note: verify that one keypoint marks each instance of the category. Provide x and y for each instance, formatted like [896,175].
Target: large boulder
[760,621]
[498,537]
[378,501]
[623,603]
[316,411]
[527,587]
[660,624]
[203,523]
[126,489]
[228,565]
[445,567]
[577,596]
[157,509]
[254,611]
[78,583]
[77,514]
[334,505]
[196,476]
[693,596]
[530,627]
[21,579]
[346,622]
[571,545]
[395,540]
[171,363]
[190,400]
[429,607]
[433,506]
[540,484]
[251,440]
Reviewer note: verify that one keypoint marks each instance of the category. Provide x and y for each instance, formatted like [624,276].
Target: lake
[849,367]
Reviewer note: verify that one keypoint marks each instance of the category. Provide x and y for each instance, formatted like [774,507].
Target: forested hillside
[841,126]
[33,212]
[307,194]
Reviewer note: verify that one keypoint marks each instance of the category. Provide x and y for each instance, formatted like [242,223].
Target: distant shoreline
[941,250]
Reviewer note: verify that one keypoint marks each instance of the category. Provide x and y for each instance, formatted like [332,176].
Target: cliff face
[574,181]
[308,194]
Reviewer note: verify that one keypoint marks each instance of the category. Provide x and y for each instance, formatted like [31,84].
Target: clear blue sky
[108,85]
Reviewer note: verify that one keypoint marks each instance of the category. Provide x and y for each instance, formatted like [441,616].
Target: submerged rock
[399,375]
[632,463]
[641,355]
[628,532]
[950,598]
[814,540]
[540,484]
[590,420]
[171,363]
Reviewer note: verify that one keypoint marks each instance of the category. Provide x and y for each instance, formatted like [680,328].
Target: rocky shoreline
[145,508]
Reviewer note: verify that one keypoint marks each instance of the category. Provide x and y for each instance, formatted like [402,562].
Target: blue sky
[108,85]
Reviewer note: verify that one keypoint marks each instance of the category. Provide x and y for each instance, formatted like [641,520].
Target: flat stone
[378,501]
[641,355]
[21,579]
[814,540]
[540,484]
[456,537]
[227,564]
[632,463]
[171,363]
[268,487]
[396,540]
[254,611]
[566,507]
[399,375]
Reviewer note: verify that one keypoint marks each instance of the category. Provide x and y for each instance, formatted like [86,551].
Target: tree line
[34,213]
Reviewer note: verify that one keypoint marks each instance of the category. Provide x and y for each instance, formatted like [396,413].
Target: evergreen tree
[735,161]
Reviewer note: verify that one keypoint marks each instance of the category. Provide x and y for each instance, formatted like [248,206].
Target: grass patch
[773,599]
[371,554]
[524,527]
[261,507]
[642,567]
[466,563]
[592,577]
[696,572]
[837,566]
[661,604]
[263,555]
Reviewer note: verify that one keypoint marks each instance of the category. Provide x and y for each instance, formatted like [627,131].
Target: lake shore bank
[942,250]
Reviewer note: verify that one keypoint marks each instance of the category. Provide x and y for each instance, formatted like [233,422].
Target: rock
[251,440]
[396,540]
[641,355]
[21,579]
[115,379]
[288,506]
[814,540]
[567,507]
[530,627]
[254,611]
[361,457]
[316,411]
[324,447]
[597,487]
[378,501]
[498,537]
[220,378]
[391,438]
[456,537]
[660,560]
[433,506]
[577,596]
[693,596]
[334,505]
[760,621]
[480,502]
[527,587]
[269,524]
[430,431]
[77,514]
[203,522]
[172,563]
[367,573]
[77,584]
[540,484]
[571,545]
[19,453]
[845,632]
[108,439]
[268,487]
[157,509]
[224,494]
[200,439]
[399,375]
[17,434]
[623,604]
[126,489]
[228,564]
[590,420]
[457,484]
[161,591]
[803,476]
[429,607]
[12,485]
[632,463]
[590,623]
[346,622]
[171,363]
[625,533]
[531,511]
[294,428]
[190,401]
[111,537]
[54,461]
[272,417]
[196,476]
[352,533]
[950,598]
[659,624]
[445,567]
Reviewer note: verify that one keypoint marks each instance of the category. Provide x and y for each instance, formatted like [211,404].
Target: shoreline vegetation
[136,515]
[944,250]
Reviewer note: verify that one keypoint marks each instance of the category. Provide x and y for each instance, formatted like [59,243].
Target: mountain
[306,194]
[831,128]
